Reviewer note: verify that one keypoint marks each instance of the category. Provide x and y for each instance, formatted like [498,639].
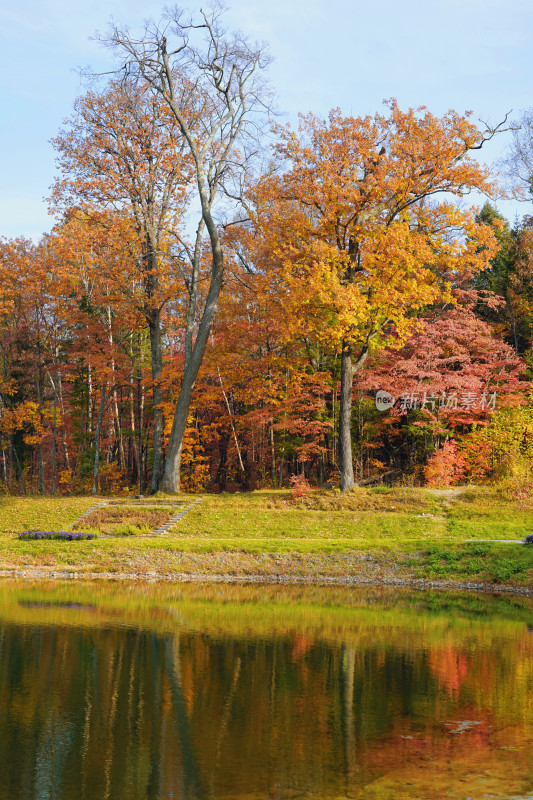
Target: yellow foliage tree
[359,242]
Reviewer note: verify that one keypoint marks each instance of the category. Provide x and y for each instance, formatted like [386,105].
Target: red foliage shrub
[300,487]
[446,467]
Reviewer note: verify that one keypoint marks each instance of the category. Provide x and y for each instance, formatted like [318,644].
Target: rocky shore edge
[151,576]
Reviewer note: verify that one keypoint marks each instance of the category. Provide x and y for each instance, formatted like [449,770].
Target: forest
[227,302]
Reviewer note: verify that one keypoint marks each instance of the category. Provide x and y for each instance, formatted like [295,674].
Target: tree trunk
[89,400]
[116,415]
[54,443]
[64,435]
[133,440]
[347,481]
[230,414]
[272,456]
[140,415]
[154,322]
[222,471]
[96,468]
[40,456]
[19,467]
[41,486]
[152,312]
[348,370]
[171,478]
[118,428]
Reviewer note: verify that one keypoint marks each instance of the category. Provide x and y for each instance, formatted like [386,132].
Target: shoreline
[151,576]
[417,539]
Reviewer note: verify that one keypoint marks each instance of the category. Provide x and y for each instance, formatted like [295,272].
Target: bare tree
[212,82]
[518,163]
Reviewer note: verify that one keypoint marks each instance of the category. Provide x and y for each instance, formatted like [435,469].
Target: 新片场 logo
[453,400]
[384,400]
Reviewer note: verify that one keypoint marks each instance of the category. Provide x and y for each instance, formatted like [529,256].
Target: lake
[127,692]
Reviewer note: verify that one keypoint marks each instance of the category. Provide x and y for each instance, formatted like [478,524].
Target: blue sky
[462,54]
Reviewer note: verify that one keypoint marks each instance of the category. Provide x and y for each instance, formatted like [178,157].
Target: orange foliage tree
[361,245]
[93,261]
[122,151]
[30,331]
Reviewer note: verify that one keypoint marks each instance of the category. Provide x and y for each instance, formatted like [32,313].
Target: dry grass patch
[123,520]
[380,498]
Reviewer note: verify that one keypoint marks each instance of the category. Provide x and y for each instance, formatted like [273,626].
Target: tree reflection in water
[199,701]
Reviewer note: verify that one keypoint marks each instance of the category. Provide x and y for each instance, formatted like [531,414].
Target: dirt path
[451,493]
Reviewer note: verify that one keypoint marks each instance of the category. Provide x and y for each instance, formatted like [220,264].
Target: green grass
[487,561]
[415,531]
[358,518]
[18,514]
[489,513]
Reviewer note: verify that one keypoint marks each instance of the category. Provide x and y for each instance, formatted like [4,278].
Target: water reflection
[134,693]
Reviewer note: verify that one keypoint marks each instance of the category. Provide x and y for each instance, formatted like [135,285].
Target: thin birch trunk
[133,439]
[96,468]
[40,456]
[231,423]
[89,399]
[64,435]
[116,416]
[54,425]
[272,456]
[54,444]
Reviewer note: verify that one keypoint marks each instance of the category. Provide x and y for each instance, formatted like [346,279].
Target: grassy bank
[469,535]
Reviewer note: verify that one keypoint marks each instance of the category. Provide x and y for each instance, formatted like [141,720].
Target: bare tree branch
[211,82]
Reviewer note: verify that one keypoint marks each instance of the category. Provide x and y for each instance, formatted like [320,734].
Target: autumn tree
[190,65]
[450,375]
[93,261]
[19,410]
[509,279]
[361,242]
[284,384]
[33,332]
[122,151]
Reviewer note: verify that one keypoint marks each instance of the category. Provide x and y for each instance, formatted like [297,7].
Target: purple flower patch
[65,535]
